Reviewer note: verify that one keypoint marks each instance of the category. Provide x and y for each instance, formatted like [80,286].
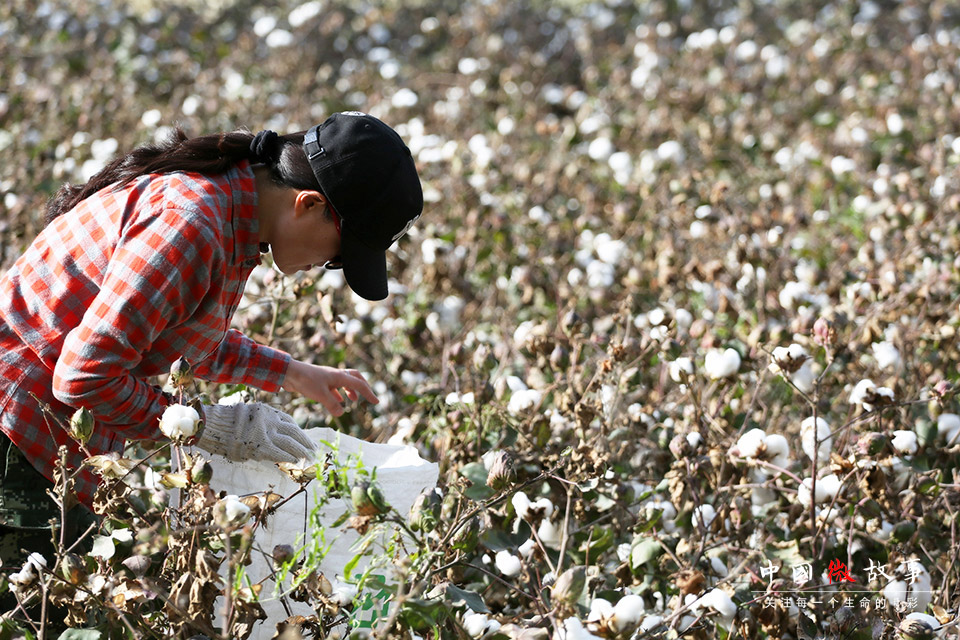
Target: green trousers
[30,521]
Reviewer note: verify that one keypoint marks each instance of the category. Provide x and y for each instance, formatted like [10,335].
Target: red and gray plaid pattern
[111,293]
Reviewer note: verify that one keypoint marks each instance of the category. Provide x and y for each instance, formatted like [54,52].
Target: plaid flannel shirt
[110,294]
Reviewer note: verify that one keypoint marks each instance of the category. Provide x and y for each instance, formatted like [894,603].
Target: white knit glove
[253,431]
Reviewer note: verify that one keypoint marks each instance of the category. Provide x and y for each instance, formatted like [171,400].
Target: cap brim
[365,269]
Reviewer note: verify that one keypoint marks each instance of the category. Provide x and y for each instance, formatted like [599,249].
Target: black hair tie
[265,147]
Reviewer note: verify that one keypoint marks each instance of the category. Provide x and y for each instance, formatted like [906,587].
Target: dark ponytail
[211,154]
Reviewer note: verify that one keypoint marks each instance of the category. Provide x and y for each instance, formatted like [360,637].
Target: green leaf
[787,552]
[598,541]
[926,432]
[80,634]
[103,547]
[422,615]
[9,629]
[458,597]
[808,627]
[348,568]
[476,473]
[498,539]
[644,550]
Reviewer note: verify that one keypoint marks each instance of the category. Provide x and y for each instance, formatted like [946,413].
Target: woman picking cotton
[146,263]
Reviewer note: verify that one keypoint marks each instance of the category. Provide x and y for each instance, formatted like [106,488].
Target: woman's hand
[323,384]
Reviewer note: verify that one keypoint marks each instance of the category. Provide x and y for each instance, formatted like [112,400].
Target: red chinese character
[838,572]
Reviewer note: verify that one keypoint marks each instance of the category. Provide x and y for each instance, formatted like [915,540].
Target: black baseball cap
[368,175]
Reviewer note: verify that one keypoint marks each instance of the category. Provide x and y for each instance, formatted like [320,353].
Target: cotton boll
[718,566]
[179,421]
[804,377]
[600,149]
[671,151]
[29,572]
[928,620]
[704,515]
[680,370]
[827,487]
[919,584]
[683,318]
[608,250]
[751,443]
[860,391]
[884,395]
[627,612]
[549,534]
[527,548]
[600,275]
[793,293]
[719,601]
[650,622]
[721,364]
[761,499]
[544,506]
[600,610]
[521,504]
[343,593]
[948,426]
[573,629]
[905,442]
[778,450]
[230,511]
[508,564]
[886,354]
[478,625]
[151,117]
[895,123]
[895,592]
[523,401]
[822,434]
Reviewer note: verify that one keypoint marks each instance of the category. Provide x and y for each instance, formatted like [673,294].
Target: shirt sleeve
[158,274]
[240,360]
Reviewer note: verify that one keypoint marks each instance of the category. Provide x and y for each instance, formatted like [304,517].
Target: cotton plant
[868,395]
[620,618]
[29,573]
[887,355]
[721,363]
[508,564]
[479,625]
[717,601]
[230,512]
[523,401]
[681,370]
[827,488]
[948,427]
[787,360]
[815,438]
[179,422]
[704,515]
[756,444]
[655,507]
[905,442]
[911,581]
[537,513]
[573,629]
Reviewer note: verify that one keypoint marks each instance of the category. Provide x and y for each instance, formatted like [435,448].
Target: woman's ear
[308,201]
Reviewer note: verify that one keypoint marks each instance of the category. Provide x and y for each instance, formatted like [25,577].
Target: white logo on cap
[406,228]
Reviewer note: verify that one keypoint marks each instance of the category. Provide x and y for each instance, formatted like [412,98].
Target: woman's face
[307,236]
